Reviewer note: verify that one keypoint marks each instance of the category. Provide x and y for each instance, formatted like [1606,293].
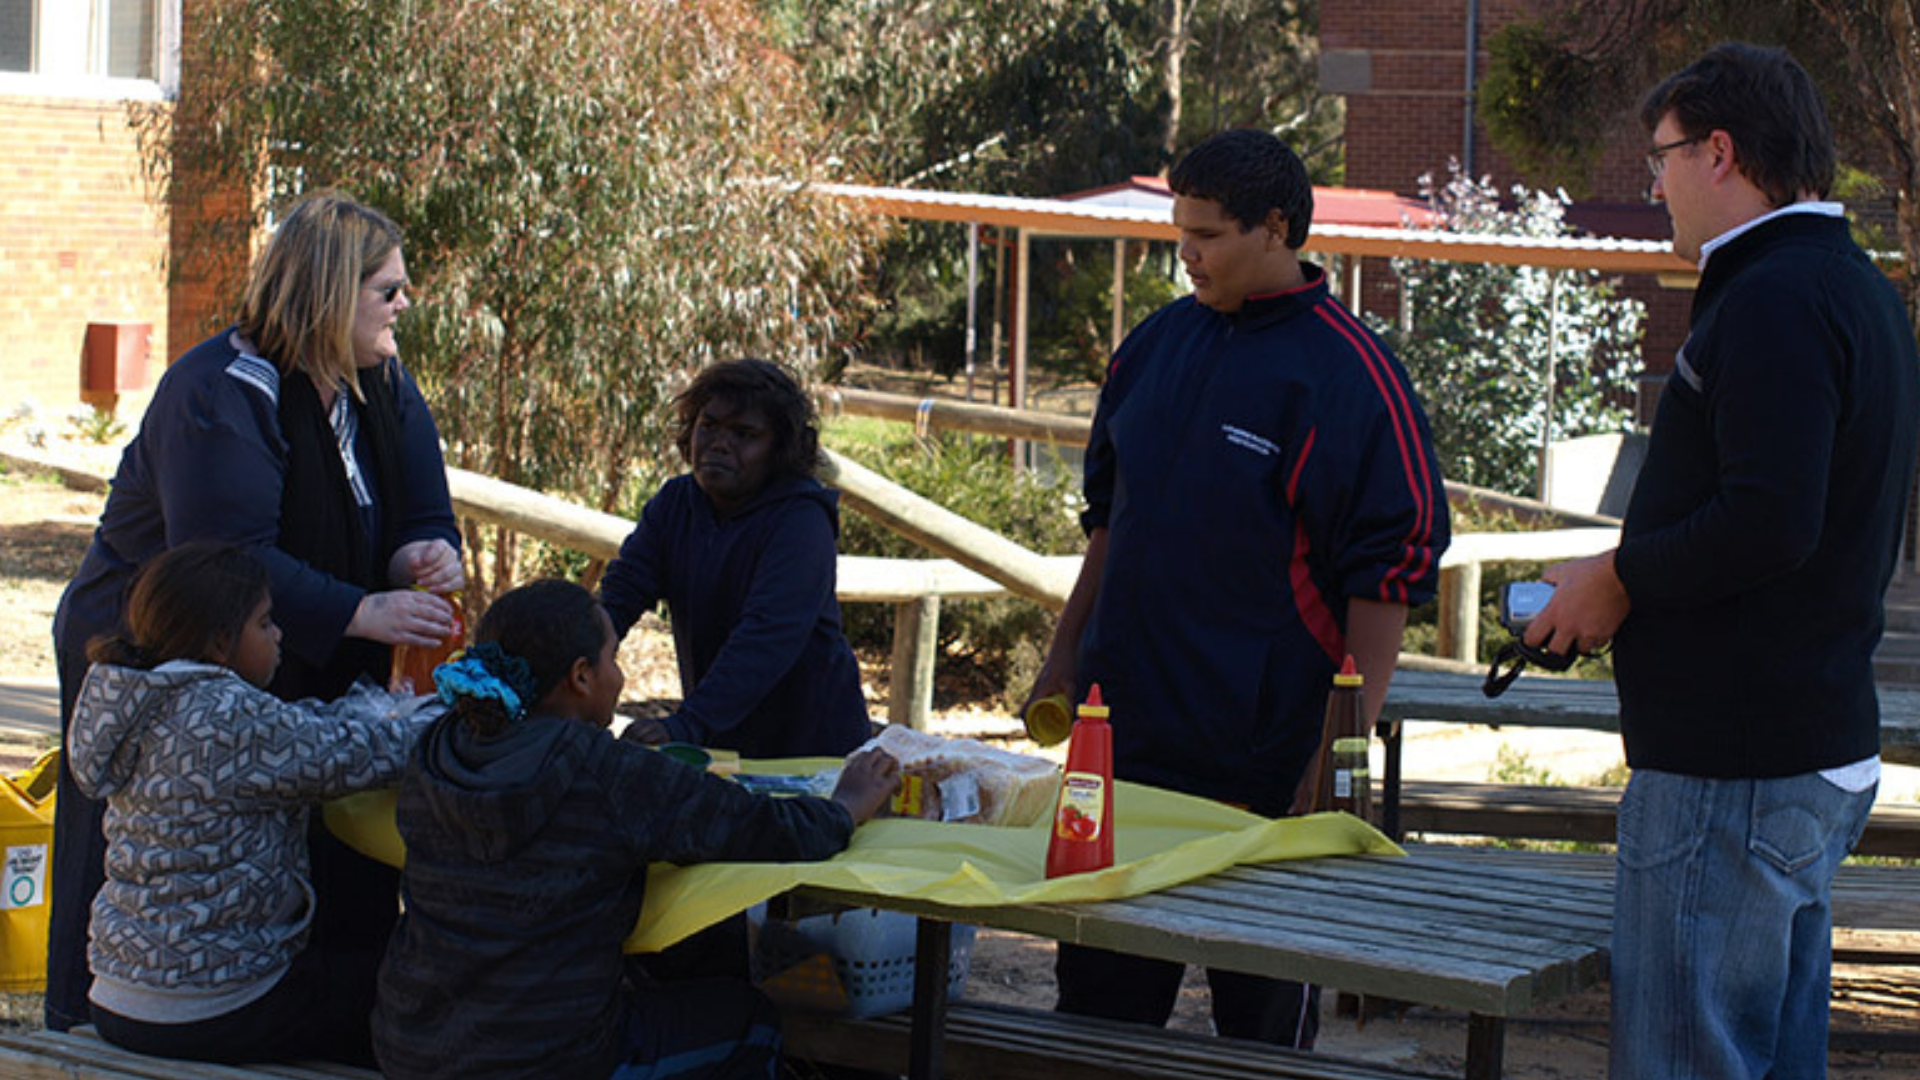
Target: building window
[16,35]
[89,46]
[131,37]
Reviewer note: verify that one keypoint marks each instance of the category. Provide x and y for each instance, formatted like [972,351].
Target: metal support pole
[1544,484]
[973,297]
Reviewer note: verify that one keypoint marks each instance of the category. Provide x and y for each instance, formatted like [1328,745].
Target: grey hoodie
[209,782]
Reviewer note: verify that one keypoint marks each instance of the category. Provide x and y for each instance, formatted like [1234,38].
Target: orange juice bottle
[413,664]
[1082,836]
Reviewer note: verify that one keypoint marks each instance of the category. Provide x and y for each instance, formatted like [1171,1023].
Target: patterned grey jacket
[209,783]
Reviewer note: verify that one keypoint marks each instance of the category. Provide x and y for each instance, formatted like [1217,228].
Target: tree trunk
[1882,39]
[1178,24]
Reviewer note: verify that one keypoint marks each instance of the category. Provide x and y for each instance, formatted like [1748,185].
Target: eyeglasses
[1657,157]
[388,292]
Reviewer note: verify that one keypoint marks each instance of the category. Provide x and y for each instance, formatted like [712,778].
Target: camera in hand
[1520,603]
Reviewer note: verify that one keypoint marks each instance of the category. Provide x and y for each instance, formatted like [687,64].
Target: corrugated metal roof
[1083,218]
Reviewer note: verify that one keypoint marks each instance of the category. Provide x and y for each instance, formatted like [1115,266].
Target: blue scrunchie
[487,672]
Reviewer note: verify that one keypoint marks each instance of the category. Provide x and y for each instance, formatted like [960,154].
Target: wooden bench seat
[81,1054]
[1537,812]
[1004,1042]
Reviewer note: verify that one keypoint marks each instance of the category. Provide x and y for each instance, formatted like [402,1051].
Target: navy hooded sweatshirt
[764,666]
[526,868]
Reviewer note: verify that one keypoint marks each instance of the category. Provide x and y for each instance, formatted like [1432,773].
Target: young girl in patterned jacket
[199,937]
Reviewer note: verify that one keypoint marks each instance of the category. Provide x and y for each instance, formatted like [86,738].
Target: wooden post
[916,642]
[1460,612]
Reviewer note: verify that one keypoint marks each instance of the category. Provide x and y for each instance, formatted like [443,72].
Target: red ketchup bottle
[1082,838]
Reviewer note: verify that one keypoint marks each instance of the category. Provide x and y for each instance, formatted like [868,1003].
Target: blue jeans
[1722,929]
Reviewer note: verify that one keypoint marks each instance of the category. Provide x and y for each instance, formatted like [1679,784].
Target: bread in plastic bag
[965,780]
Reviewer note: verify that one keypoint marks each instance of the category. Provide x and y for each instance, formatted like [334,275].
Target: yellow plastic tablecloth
[1161,839]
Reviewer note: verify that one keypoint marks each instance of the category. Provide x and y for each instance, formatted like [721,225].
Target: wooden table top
[1542,701]
[1496,941]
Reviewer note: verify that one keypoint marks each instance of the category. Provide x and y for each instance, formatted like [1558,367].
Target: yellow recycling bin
[26,857]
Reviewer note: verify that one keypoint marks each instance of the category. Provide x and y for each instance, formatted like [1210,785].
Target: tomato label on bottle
[1083,803]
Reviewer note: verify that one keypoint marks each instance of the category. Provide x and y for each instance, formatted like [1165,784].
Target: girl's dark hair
[762,385]
[187,603]
[548,624]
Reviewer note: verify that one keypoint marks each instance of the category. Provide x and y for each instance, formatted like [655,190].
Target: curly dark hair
[187,603]
[1767,103]
[756,384]
[1249,173]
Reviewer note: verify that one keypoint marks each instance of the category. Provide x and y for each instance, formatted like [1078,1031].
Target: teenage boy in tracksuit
[1263,499]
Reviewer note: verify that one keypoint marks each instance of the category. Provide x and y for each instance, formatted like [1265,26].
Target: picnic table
[1546,701]
[1493,942]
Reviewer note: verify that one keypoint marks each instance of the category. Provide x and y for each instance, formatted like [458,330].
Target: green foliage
[96,425]
[994,644]
[1541,106]
[1040,98]
[1512,766]
[1256,63]
[597,195]
[1484,338]
[1073,331]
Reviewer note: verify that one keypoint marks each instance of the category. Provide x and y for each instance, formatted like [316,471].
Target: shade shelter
[1349,223]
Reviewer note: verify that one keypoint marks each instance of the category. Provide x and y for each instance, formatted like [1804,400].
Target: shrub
[1485,340]
[992,647]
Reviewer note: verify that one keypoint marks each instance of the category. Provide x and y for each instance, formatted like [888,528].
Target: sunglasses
[387,293]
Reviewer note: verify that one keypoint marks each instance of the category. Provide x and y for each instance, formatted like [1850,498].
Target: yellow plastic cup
[1050,720]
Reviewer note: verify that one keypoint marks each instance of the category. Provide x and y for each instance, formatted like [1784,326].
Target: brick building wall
[1401,65]
[80,242]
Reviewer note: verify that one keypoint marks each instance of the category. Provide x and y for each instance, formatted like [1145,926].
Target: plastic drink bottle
[413,664]
[1348,783]
[1082,834]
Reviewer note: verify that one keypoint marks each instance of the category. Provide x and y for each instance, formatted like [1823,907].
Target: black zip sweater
[1766,521]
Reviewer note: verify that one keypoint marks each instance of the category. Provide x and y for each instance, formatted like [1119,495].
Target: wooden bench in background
[81,1054]
[1550,812]
[1544,812]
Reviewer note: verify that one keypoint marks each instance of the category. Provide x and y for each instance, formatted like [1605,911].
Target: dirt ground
[44,528]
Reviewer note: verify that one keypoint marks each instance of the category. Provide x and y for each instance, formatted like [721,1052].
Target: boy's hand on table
[867,781]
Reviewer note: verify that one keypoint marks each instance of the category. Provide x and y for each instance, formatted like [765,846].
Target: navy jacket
[208,464]
[526,868]
[764,666]
[1766,520]
[1254,471]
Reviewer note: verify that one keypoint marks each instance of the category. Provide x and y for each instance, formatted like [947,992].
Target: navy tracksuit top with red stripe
[1254,470]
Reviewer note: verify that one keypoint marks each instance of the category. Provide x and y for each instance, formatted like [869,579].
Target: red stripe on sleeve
[1393,586]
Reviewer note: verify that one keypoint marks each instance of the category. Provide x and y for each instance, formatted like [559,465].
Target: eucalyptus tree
[1562,84]
[599,197]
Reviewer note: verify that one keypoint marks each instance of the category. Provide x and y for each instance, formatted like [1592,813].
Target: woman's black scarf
[322,526]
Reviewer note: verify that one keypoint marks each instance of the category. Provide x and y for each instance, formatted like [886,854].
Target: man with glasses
[1745,599]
